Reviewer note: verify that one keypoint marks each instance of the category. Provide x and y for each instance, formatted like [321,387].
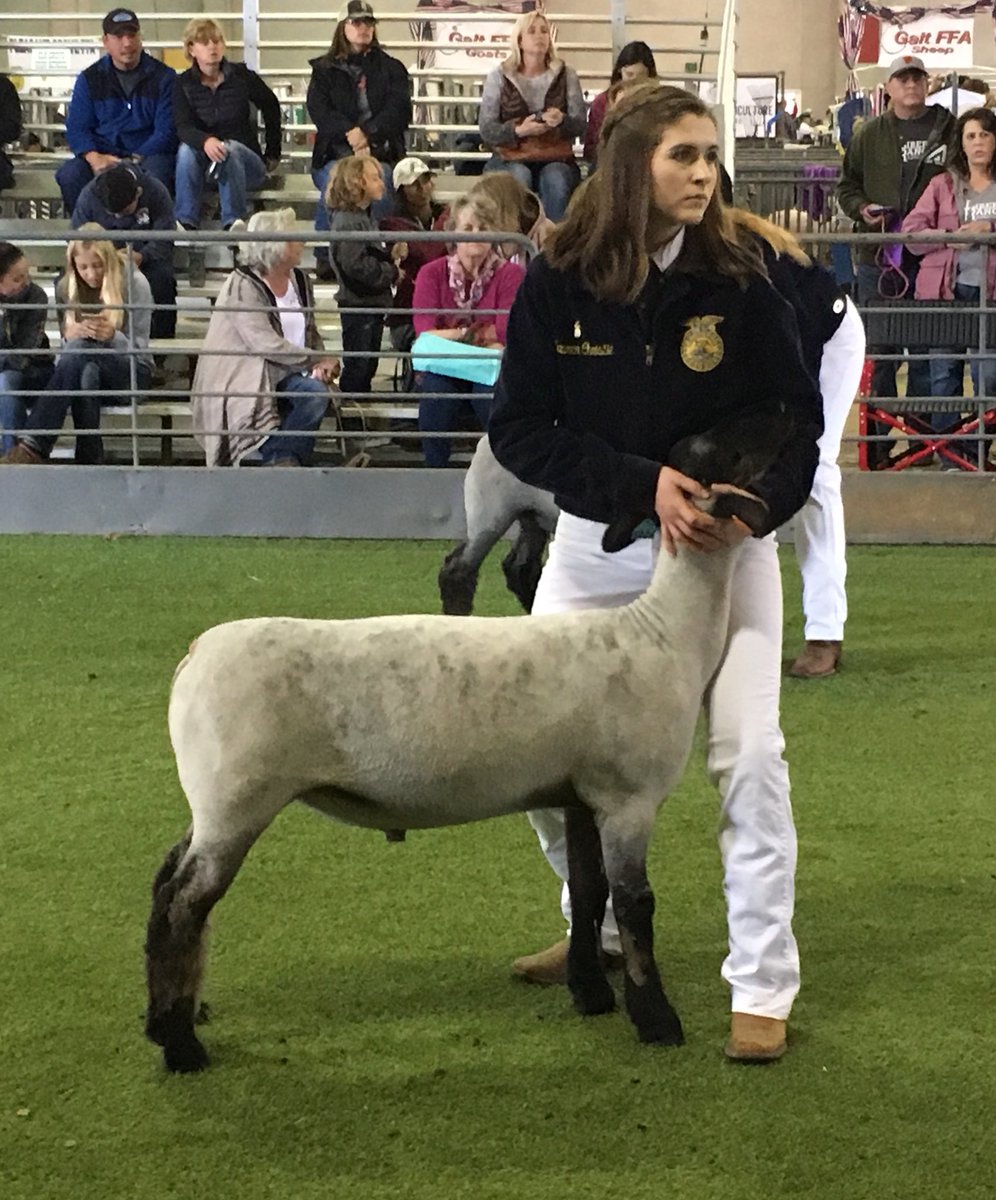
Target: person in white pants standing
[649,319]
[833,344]
[820,545]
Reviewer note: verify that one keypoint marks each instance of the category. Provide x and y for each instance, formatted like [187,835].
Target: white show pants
[756,834]
[820,544]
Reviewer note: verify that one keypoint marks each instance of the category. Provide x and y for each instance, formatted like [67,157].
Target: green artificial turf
[368,1041]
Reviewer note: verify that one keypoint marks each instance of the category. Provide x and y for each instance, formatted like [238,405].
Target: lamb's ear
[730,501]
[624,531]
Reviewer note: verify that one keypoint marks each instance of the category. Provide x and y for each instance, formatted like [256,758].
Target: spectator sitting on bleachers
[963,198]
[365,270]
[518,210]
[216,125]
[359,98]
[876,197]
[23,313]
[531,111]
[474,276]
[635,64]
[126,197]
[90,297]
[10,128]
[414,209]
[260,370]
[121,108]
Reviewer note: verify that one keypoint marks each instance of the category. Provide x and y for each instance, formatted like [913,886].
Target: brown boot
[549,966]
[21,456]
[817,661]
[755,1039]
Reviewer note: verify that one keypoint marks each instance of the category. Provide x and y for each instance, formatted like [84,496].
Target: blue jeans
[384,207]
[241,173]
[553,182]
[302,403]
[947,379]
[14,409]
[82,376]
[361,332]
[439,414]
[884,373]
[73,176]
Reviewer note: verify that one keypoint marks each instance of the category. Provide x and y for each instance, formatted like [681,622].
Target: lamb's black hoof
[594,999]
[185,1058]
[664,1032]
[203,1014]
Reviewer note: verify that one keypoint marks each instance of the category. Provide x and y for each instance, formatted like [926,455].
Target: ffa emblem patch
[702,348]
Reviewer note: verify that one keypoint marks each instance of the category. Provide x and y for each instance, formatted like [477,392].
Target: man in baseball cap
[357,10]
[121,108]
[410,170]
[120,21]
[904,63]
[889,163]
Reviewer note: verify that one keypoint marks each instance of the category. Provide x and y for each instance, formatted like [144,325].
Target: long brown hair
[341,48]
[780,240]
[604,235]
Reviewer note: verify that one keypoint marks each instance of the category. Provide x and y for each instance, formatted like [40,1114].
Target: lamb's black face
[729,459]
[738,452]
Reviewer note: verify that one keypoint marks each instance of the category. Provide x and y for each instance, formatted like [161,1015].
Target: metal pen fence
[958,428]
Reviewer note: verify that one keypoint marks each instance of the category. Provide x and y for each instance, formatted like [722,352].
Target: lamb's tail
[183,662]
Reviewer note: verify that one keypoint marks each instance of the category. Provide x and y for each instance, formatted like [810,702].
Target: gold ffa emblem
[702,347]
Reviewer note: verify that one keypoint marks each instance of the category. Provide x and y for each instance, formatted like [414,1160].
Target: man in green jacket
[888,164]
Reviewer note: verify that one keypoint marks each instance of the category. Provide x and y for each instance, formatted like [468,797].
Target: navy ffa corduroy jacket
[102,118]
[593,395]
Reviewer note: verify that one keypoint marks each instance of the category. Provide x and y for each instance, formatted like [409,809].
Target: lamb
[599,707]
[493,501]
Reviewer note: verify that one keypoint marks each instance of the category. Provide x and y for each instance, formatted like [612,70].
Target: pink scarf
[467,292]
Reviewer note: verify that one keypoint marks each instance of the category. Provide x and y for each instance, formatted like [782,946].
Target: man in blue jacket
[126,197]
[122,108]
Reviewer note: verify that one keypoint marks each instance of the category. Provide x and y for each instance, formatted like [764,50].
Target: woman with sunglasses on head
[646,320]
[531,111]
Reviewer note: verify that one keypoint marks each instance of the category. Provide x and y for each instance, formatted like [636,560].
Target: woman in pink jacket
[475,286]
[963,198]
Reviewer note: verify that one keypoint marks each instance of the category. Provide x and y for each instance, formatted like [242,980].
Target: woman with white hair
[531,111]
[262,379]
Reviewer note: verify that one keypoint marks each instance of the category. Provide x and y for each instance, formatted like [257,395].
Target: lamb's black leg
[633,903]
[460,569]
[175,948]
[523,564]
[590,990]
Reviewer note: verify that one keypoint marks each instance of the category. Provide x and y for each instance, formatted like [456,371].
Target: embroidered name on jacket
[586,349]
[702,348]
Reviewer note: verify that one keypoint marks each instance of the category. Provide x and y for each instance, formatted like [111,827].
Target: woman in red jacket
[476,286]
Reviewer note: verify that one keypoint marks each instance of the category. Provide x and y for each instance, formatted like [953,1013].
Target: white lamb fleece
[422,721]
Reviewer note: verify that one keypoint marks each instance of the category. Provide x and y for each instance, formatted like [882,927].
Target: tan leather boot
[817,661]
[755,1039]
[22,455]
[549,966]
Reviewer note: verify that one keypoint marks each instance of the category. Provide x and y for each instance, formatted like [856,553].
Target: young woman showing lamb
[600,708]
[645,319]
